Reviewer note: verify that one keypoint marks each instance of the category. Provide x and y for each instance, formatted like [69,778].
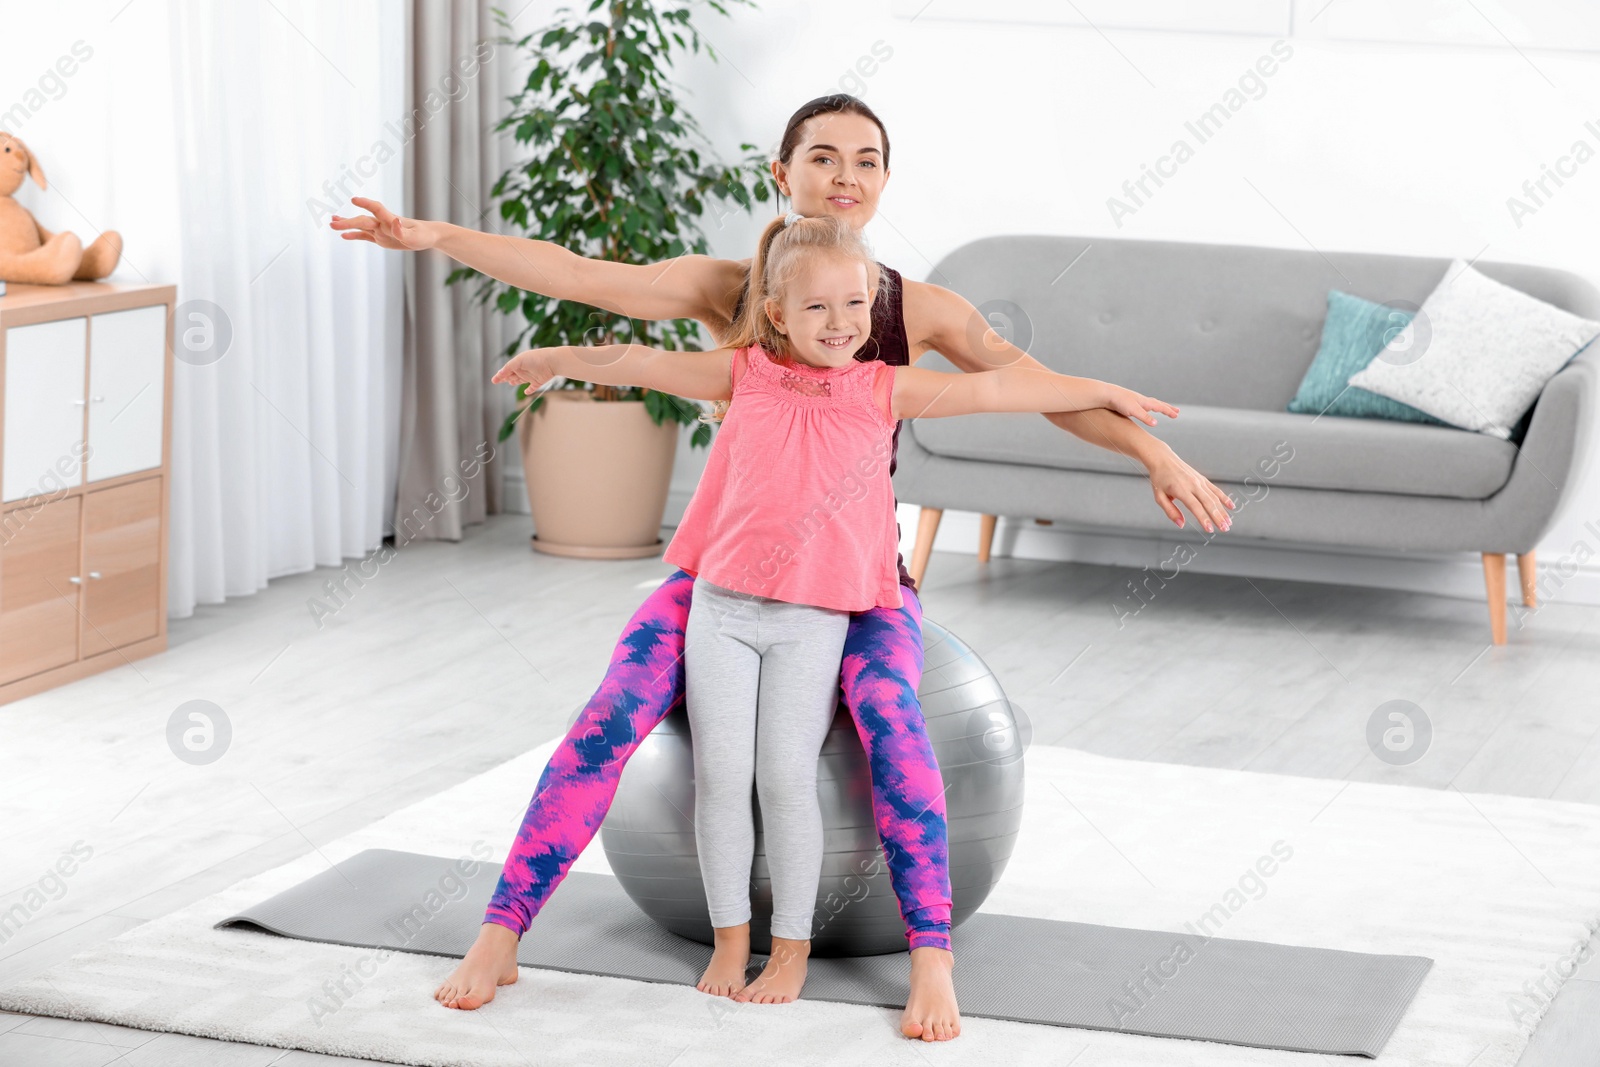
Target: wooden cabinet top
[24,304]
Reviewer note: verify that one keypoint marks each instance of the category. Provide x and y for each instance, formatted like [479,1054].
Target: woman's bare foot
[490,962]
[782,978]
[730,956]
[931,1011]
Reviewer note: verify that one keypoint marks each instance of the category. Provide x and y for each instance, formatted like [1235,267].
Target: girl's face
[826,312]
[837,169]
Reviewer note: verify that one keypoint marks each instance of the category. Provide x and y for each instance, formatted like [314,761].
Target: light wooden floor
[455,658]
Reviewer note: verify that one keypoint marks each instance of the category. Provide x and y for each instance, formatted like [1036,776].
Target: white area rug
[1499,891]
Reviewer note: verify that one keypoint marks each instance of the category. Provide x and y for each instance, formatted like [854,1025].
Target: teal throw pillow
[1353,334]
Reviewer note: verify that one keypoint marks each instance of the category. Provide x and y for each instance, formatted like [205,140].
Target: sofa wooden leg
[927,526]
[985,537]
[1494,578]
[1527,570]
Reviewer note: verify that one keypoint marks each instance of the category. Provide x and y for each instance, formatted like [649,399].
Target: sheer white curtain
[284,446]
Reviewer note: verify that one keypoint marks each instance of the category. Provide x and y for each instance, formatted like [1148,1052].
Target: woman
[833,160]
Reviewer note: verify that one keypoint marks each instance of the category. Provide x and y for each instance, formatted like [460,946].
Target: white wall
[90,95]
[1031,128]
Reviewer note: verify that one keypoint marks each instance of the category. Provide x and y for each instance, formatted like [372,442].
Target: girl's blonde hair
[785,244]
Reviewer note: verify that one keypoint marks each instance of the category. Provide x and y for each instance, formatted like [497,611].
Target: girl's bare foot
[782,978]
[931,1011]
[490,962]
[730,956]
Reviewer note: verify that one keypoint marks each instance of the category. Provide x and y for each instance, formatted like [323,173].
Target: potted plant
[616,170]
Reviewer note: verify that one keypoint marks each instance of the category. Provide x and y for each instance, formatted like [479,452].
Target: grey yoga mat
[1008,967]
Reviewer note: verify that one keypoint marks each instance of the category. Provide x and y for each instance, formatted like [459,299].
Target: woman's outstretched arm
[940,320]
[688,287]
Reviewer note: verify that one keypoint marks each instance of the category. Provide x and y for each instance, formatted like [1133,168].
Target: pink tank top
[796,502]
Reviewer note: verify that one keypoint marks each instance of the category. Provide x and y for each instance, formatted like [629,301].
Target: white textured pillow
[1477,354]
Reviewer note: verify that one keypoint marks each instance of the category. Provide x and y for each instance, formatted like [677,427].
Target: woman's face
[836,169]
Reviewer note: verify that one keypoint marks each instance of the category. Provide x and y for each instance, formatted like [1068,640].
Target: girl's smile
[826,313]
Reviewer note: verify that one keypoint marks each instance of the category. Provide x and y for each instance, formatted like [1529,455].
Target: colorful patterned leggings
[879,676]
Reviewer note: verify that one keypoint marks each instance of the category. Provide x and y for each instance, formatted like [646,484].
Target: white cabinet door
[127,390]
[44,444]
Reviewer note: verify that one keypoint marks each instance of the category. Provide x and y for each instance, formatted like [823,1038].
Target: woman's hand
[951,326]
[384,228]
[533,368]
[1173,481]
[1135,405]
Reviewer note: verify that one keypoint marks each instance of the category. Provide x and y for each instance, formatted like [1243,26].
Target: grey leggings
[761,684]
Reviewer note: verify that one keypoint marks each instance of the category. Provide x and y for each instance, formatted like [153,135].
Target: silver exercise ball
[978,739]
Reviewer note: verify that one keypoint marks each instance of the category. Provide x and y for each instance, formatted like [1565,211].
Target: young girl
[791,530]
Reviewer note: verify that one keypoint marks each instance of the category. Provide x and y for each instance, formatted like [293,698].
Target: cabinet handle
[75,580]
[92,399]
[94,574]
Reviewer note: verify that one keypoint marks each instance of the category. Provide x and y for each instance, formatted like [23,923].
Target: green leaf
[614,168]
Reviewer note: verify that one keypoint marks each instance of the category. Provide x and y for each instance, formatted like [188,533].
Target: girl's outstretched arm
[688,287]
[928,394]
[947,323]
[696,375]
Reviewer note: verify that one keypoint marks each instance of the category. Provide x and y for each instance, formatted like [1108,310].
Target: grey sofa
[1226,332]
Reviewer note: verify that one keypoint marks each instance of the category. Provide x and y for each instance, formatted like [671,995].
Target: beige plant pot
[597,475]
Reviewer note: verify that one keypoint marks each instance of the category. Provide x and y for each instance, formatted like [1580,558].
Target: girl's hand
[531,368]
[384,228]
[1136,405]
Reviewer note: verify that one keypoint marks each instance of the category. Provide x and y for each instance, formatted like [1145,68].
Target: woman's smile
[835,167]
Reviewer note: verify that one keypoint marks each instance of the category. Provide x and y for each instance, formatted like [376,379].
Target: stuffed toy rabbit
[31,254]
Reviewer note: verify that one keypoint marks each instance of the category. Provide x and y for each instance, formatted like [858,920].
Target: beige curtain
[449,461]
